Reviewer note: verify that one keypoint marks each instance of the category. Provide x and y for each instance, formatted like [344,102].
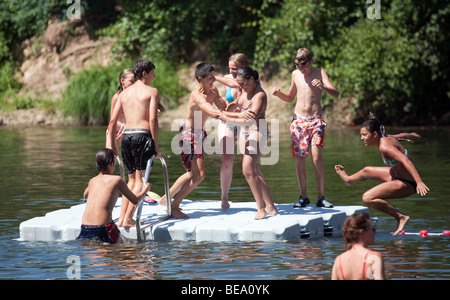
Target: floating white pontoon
[207,221]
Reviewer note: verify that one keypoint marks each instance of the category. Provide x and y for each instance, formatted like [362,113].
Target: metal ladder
[140,229]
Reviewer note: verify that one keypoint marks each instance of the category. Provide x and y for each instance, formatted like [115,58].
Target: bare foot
[128,224]
[341,172]
[261,214]
[225,204]
[401,224]
[271,210]
[176,213]
[162,201]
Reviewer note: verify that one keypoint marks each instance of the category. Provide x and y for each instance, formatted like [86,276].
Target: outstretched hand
[422,189]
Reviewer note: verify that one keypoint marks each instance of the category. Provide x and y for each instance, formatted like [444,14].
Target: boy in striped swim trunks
[307,127]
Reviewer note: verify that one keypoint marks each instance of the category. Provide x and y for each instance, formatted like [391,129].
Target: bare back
[139,103]
[308,96]
[101,195]
[136,103]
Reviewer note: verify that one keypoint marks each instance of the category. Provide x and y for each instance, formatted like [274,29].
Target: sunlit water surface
[45,169]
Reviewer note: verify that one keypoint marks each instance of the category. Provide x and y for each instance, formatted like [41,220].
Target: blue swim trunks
[108,233]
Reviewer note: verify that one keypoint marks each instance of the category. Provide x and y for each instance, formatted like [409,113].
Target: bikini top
[364,267]
[393,162]
[229,95]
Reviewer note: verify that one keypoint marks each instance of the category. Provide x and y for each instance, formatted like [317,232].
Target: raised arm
[327,86]
[290,96]
[123,188]
[228,81]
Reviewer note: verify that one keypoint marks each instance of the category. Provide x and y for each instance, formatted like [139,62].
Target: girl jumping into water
[399,179]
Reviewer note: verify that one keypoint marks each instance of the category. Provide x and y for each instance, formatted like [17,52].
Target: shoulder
[261,95]
[150,91]
[115,97]
[374,256]
[113,178]
[215,91]
[387,144]
[196,97]
[318,71]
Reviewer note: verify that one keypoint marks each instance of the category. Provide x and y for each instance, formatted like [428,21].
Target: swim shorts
[191,144]
[305,132]
[108,233]
[137,149]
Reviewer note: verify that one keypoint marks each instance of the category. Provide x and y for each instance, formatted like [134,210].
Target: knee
[366,171]
[367,198]
[198,178]
[227,161]
[248,172]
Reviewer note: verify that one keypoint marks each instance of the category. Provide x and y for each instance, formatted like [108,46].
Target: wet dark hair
[373,125]
[202,70]
[143,65]
[103,158]
[352,226]
[247,72]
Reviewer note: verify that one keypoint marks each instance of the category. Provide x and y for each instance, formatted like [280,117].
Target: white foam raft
[207,222]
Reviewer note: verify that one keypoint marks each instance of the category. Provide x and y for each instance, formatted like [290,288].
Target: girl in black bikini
[399,178]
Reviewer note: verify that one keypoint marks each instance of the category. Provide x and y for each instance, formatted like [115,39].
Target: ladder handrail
[121,170]
[166,188]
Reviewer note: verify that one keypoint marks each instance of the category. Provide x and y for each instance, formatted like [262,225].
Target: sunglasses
[304,63]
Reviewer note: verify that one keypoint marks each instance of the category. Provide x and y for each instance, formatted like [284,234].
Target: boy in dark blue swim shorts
[101,194]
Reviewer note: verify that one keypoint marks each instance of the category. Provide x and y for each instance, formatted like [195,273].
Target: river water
[45,169]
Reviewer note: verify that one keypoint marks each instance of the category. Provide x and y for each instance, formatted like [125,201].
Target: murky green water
[44,169]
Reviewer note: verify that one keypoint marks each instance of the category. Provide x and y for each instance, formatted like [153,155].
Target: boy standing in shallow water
[101,193]
[307,127]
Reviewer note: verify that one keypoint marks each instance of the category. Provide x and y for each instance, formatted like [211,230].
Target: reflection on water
[46,169]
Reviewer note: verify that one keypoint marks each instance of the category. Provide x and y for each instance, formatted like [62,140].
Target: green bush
[88,94]
[397,66]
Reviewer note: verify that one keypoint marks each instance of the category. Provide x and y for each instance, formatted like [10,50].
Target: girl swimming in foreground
[399,178]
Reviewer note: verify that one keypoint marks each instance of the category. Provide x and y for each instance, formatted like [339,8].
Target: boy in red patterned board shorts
[191,136]
[307,127]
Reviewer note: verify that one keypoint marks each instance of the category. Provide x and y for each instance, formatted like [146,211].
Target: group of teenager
[241,111]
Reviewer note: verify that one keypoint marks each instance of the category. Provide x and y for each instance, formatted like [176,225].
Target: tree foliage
[396,66]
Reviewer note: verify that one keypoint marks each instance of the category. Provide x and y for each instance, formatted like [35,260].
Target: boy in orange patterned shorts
[307,127]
